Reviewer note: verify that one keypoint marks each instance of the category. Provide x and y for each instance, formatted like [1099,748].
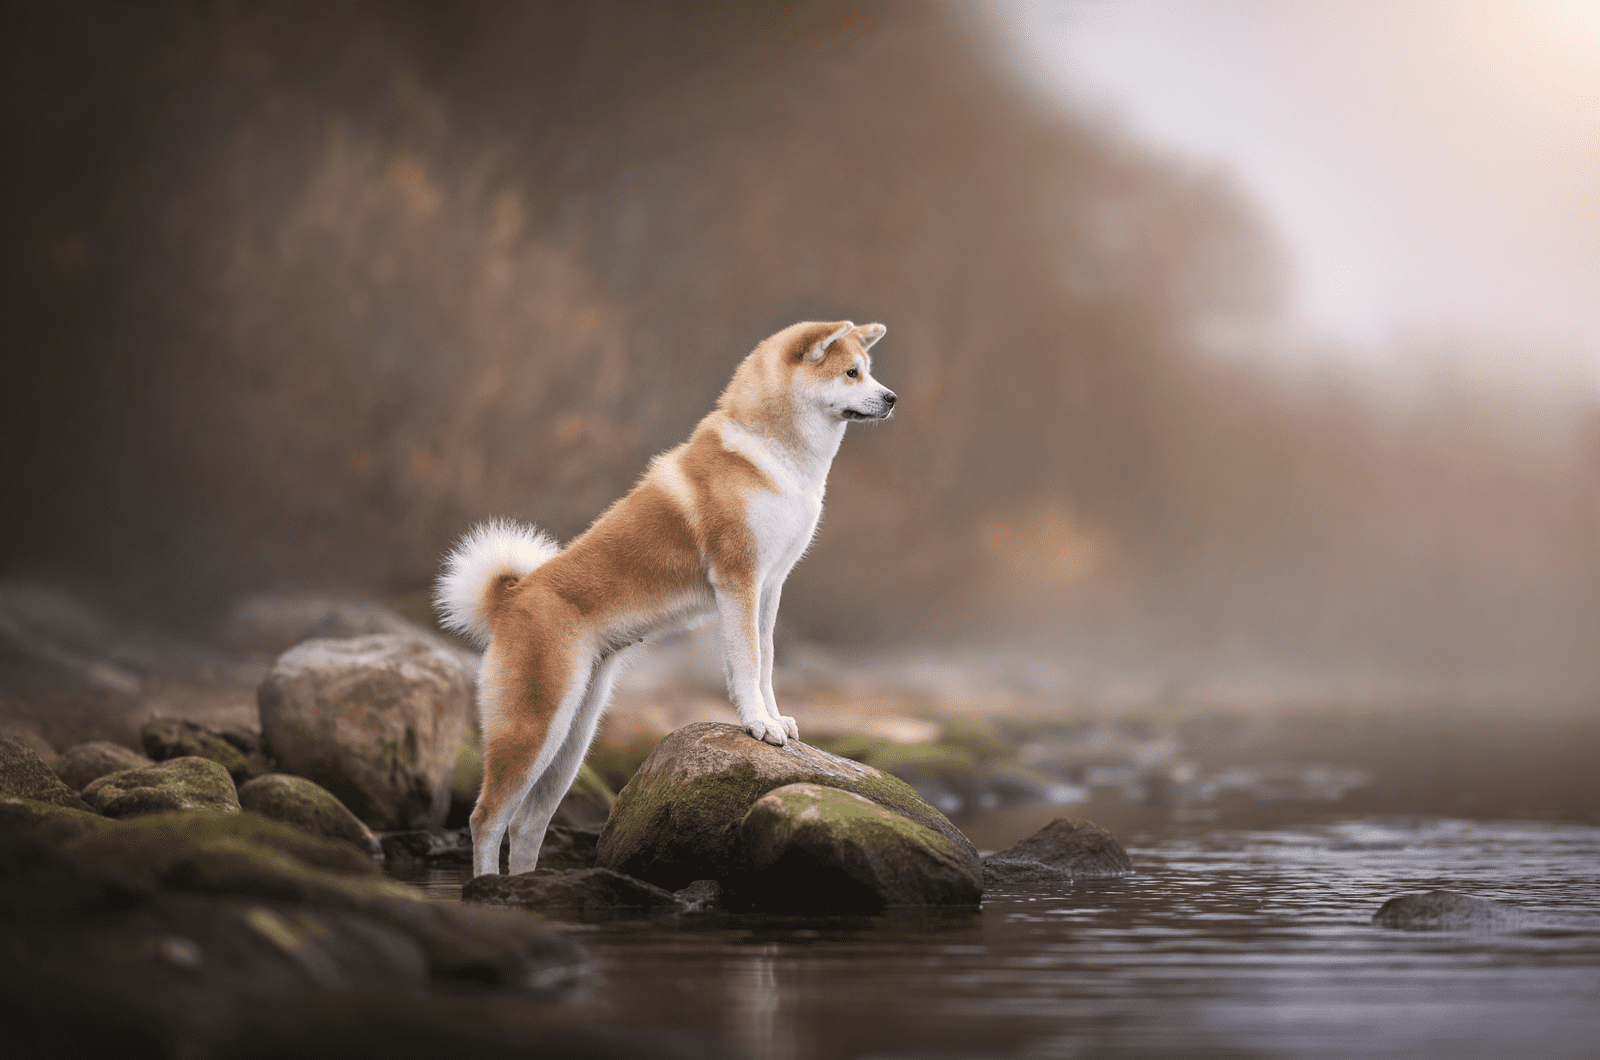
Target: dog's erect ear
[820,347]
[869,334]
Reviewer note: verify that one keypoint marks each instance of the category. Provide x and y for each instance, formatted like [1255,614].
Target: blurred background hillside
[295,293]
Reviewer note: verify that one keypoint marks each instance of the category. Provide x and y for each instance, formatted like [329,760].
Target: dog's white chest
[784,520]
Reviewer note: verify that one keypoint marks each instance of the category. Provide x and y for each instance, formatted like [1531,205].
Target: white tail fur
[495,549]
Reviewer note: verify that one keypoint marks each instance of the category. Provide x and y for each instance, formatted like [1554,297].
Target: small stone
[180,784]
[80,766]
[309,807]
[167,738]
[1061,851]
[700,896]
[1448,911]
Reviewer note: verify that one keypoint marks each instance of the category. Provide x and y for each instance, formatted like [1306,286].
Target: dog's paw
[790,729]
[764,729]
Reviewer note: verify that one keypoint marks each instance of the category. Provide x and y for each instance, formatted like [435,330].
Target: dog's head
[833,371]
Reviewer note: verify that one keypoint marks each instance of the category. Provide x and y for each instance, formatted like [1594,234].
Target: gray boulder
[679,818]
[307,806]
[1061,851]
[810,848]
[180,784]
[24,775]
[1449,911]
[273,622]
[580,894]
[85,763]
[379,721]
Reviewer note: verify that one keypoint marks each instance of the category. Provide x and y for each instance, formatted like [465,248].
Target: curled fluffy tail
[476,572]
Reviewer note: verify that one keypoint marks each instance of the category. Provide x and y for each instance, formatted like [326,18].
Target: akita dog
[713,526]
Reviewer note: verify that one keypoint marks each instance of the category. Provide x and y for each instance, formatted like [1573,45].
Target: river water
[1235,938]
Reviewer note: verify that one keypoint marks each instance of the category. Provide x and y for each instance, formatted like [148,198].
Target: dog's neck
[807,444]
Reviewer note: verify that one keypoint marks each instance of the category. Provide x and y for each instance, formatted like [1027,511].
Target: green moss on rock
[179,784]
[24,775]
[49,821]
[807,847]
[307,806]
[678,819]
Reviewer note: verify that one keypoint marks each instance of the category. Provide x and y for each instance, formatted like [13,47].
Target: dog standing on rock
[714,526]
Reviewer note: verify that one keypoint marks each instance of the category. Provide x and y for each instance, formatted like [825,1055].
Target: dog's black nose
[889,398]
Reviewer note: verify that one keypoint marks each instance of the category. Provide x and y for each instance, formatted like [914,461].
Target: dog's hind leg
[544,797]
[527,706]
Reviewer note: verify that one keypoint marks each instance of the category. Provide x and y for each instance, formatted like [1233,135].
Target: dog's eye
[852,373]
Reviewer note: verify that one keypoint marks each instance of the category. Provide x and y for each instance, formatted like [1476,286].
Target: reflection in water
[1248,942]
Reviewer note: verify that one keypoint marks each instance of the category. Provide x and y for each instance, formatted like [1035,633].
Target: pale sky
[1432,166]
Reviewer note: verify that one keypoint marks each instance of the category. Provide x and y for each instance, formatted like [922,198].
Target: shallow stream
[1241,939]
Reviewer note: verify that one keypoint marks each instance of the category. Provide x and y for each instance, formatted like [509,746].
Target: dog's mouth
[856,414]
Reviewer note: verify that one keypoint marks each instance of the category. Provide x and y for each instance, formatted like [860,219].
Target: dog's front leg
[769,621]
[738,609]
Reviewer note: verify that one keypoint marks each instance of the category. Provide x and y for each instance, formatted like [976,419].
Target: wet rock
[307,806]
[248,855]
[444,846]
[1449,911]
[678,819]
[809,848]
[587,804]
[24,775]
[700,896]
[379,721]
[179,784]
[1061,851]
[163,933]
[239,753]
[95,956]
[568,893]
[80,766]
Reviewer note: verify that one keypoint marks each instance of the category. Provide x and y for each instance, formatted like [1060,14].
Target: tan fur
[679,540]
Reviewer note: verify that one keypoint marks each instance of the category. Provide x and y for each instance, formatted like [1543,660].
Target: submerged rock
[575,893]
[82,765]
[1449,911]
[812,848]
[307,806]
[179,784]
[379,721]
[678,820]
[1061,851]
[700,896]
[24,775]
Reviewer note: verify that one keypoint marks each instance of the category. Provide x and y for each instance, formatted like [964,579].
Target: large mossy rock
[46,820]
[82,765]
[810,848]
[24,775]
[179,784]
[1062,851]
[678,819]
[307,806]
[379,721]
[164,935]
